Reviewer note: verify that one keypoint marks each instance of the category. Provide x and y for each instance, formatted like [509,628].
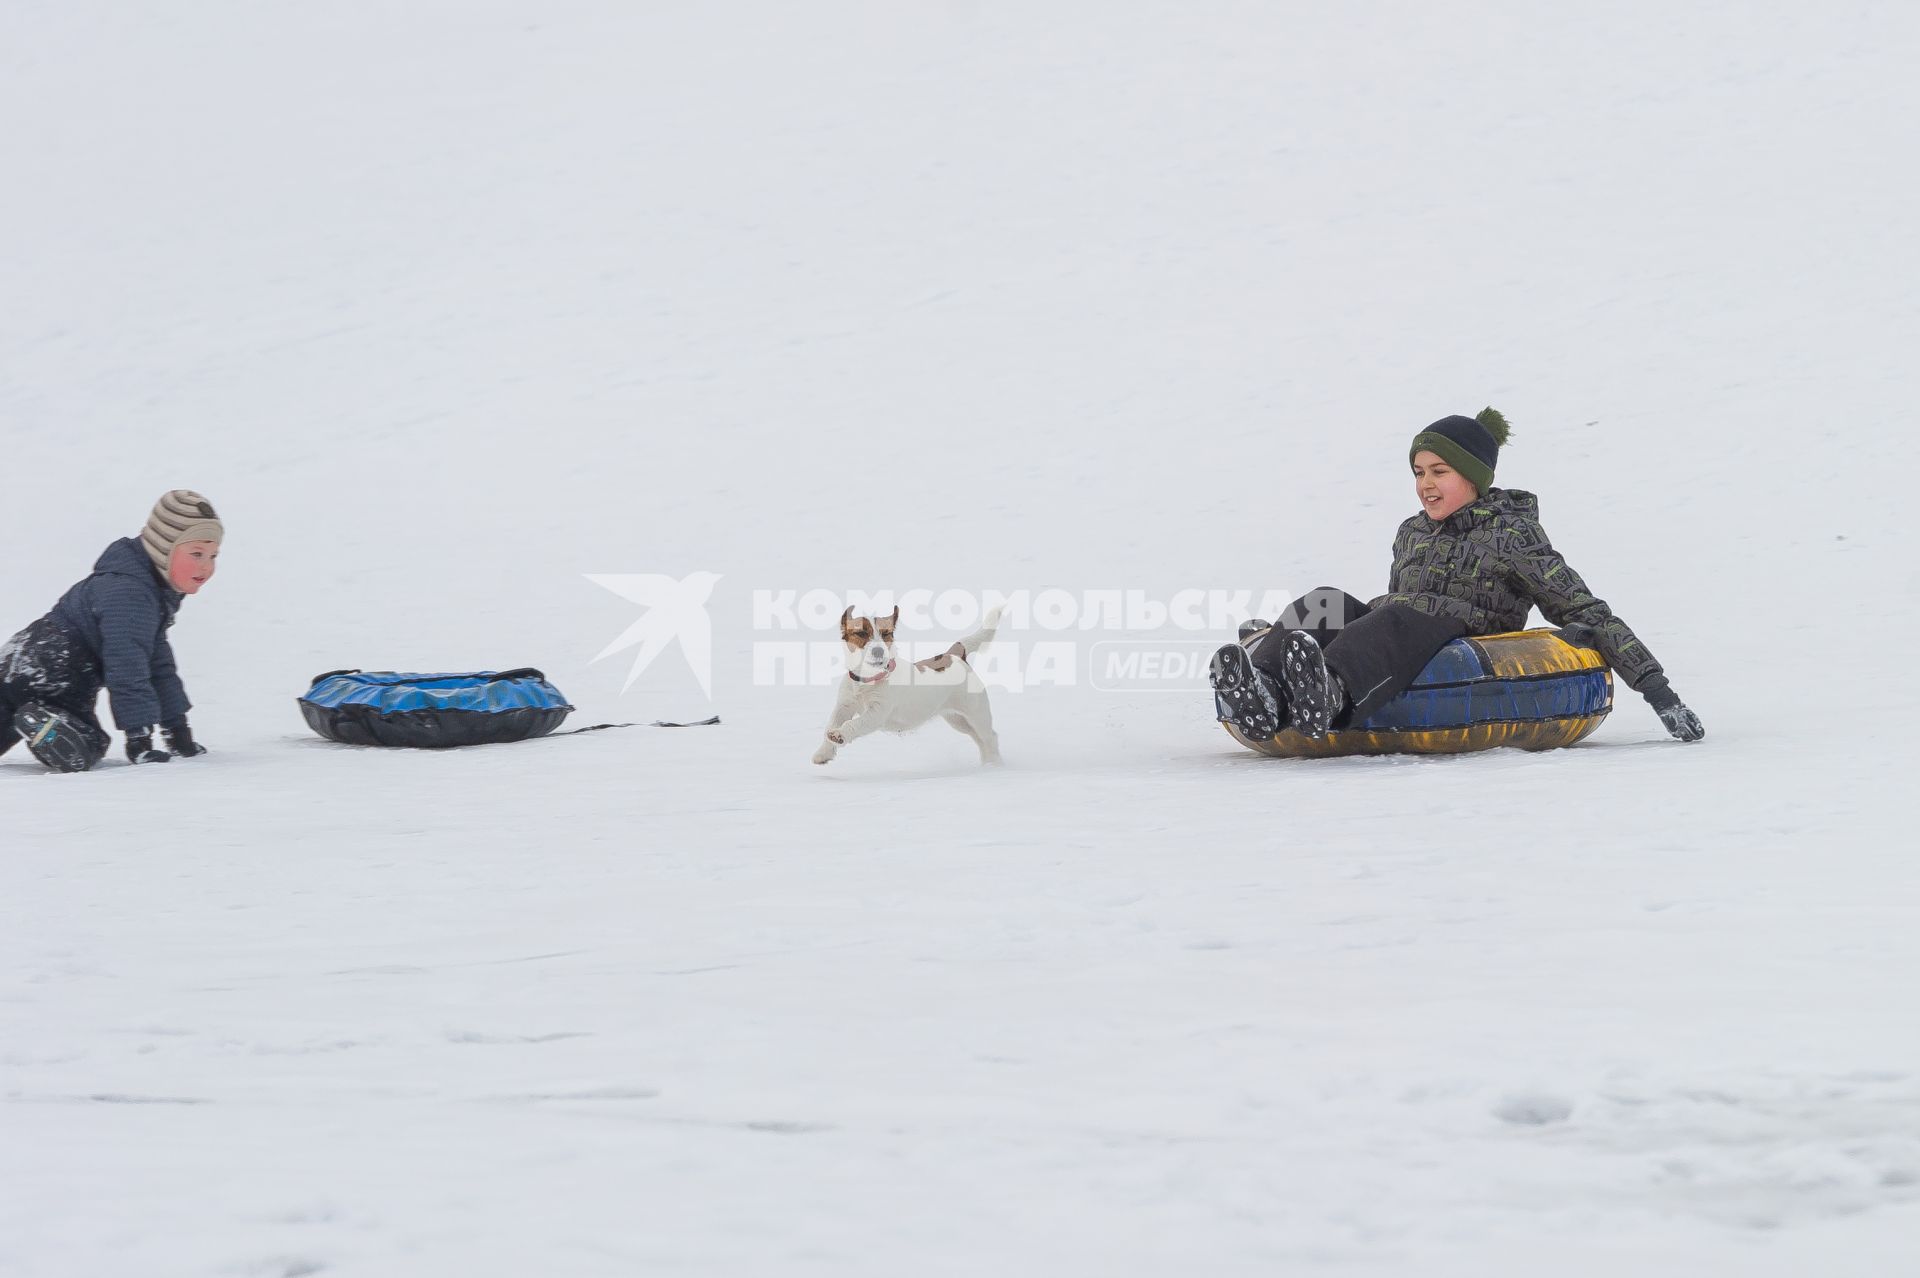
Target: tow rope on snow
[657,723]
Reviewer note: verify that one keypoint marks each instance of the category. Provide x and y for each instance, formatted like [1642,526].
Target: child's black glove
[140,748]
[1683,723]
[179,738]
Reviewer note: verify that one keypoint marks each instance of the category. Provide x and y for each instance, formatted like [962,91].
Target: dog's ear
[893,618]
[846,619]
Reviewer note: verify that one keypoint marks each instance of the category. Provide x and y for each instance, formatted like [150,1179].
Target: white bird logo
[675,610]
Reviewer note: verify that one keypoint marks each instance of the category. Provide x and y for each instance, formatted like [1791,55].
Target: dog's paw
[836,738]
[824,754]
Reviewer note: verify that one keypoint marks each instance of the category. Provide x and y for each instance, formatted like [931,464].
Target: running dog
[876,696]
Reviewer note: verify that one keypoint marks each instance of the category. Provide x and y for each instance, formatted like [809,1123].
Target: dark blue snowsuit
[109,631]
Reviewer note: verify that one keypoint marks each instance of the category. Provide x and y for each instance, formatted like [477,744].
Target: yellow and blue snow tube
[1530,689]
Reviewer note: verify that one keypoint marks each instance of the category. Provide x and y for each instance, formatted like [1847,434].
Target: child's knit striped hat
[181,515]
[1471,445]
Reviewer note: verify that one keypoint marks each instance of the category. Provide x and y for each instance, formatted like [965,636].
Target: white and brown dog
[876,696]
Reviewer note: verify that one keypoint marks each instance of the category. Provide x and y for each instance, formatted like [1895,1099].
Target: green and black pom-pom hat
[1471,445]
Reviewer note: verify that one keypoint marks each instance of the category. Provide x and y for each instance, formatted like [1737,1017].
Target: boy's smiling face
[191,565]
[1440,488]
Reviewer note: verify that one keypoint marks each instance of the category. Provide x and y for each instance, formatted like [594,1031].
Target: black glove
[1683,723]
[140,748]
[179,738]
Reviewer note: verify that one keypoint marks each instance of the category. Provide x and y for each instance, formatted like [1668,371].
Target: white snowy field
[447,305]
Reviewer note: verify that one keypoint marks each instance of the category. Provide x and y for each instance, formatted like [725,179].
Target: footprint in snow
[586,1094]
[1532,1109]
[475,1036]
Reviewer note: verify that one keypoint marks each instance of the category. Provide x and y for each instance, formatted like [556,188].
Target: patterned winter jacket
[1490,563]
[120,616]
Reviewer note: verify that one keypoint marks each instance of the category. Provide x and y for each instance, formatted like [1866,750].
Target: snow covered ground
[448,304]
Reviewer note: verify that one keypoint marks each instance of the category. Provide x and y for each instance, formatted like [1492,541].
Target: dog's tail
[984,635]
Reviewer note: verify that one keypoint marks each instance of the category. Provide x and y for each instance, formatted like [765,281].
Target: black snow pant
[1377,652]
[46,664]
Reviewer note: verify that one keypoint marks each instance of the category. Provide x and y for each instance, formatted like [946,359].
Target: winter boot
[56,738]
[1314,692]
[1243,696]
[1253,626]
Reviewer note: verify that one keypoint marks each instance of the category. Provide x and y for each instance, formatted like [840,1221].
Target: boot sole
[51,739]
[1236,694]
[1304,664]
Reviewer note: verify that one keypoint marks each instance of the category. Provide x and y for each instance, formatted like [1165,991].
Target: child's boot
[1314,693]
[56,738]
[1243,696]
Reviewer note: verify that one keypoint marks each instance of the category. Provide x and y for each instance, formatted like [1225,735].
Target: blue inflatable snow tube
[433,711]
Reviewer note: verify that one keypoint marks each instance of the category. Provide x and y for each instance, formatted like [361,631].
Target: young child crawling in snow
[110,631]
[1474,561]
